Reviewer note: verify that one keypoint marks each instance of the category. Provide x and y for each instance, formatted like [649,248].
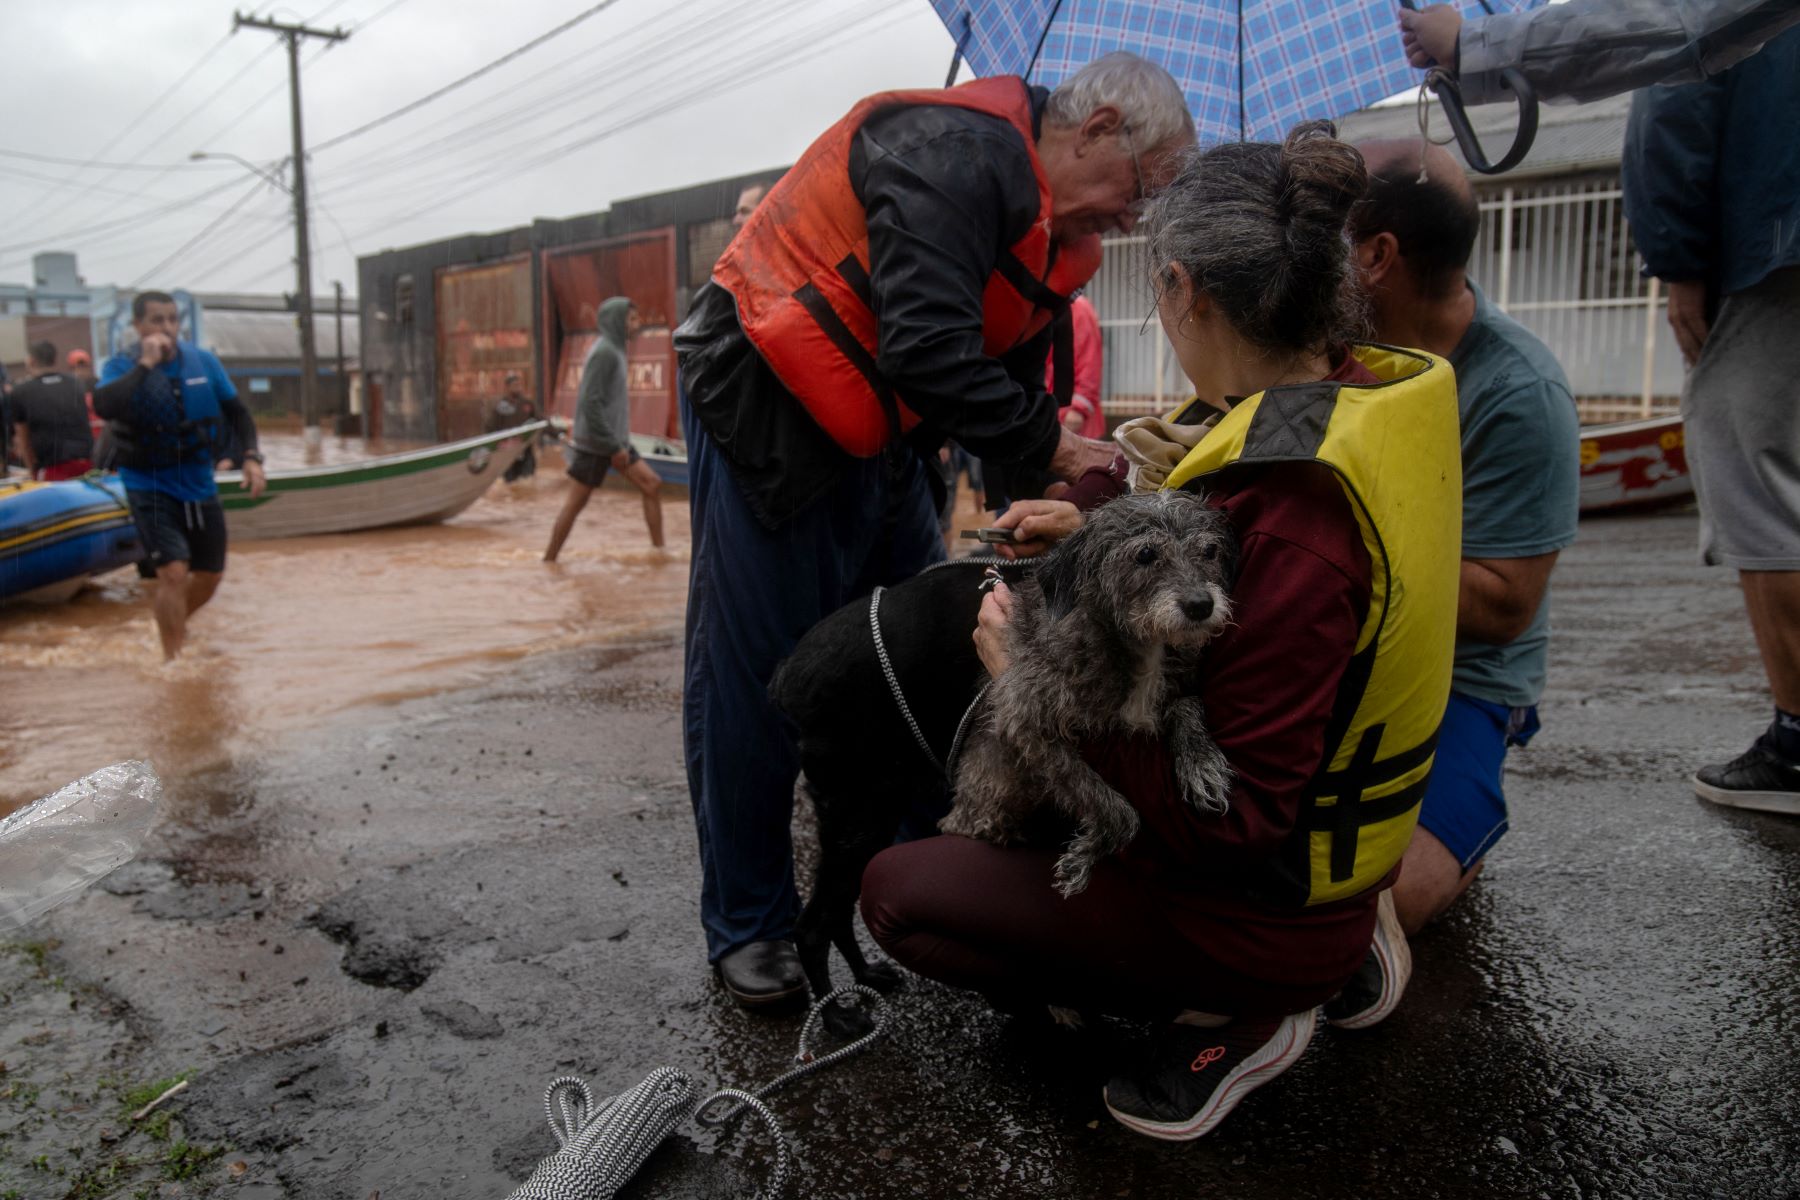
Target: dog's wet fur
[1103,635]
[1100,643]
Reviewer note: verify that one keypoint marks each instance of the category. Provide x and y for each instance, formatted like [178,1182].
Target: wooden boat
[54,535]
[1634,464]
[414,488]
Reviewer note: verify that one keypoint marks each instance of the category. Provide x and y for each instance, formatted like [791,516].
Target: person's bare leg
[649,483]
[169,604]
[1430,881]
[573,503]
[1772,599]
[200,589]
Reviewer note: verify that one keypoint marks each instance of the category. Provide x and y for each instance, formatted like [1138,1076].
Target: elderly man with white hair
[901,285]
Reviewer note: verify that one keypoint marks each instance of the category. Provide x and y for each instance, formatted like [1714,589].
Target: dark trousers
[986,917]
[752,594]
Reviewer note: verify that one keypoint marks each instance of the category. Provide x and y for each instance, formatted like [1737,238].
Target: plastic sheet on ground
[55,848]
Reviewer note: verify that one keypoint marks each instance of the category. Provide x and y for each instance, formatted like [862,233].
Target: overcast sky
[661,93]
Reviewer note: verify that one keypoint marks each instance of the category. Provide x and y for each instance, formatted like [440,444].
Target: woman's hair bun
[1321,178]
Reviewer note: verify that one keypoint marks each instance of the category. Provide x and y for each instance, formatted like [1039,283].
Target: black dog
[863,768]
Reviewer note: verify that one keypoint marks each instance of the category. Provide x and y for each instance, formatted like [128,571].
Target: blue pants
[752,594]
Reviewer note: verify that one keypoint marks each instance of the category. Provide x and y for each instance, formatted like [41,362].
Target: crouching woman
[1338,466]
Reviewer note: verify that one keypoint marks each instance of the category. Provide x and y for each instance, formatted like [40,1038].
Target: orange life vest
[799,271]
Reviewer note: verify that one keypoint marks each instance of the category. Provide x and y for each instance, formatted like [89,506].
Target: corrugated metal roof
[1570,137]
[275,336]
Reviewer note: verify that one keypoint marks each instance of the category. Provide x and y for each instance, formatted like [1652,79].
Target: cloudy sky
[643,96]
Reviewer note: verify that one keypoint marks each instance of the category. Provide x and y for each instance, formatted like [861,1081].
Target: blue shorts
[1464,807]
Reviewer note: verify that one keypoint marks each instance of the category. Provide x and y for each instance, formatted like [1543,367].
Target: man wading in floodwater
[168,398]
[602,435]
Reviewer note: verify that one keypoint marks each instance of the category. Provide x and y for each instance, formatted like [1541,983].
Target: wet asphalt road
[376,944]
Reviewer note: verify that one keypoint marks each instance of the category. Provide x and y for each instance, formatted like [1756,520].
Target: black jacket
[946,190]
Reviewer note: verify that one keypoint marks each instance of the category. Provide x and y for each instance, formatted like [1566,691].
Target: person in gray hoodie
[602,435]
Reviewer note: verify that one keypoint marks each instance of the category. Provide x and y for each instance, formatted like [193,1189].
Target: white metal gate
[1556,255]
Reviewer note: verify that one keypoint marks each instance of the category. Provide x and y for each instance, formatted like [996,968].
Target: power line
[7,171]
[209,227]
[252,233]
[704,89]
[577,19]
[650,77]
[110,166]
[143,114]
[70,235]
[154,106]
[649,55]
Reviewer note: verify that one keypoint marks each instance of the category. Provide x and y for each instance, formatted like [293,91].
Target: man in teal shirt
[1521,470]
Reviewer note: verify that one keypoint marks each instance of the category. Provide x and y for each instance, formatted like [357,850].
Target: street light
[201,155]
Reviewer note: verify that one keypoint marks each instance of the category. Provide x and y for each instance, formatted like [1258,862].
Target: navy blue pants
[752,594]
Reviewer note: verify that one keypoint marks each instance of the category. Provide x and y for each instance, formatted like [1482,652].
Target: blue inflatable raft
[54,535]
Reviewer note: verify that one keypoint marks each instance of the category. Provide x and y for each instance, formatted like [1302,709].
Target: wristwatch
[254,456]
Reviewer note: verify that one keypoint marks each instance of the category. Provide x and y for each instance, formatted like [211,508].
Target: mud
[373,973]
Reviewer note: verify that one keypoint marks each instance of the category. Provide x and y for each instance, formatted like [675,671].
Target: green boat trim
[232,494]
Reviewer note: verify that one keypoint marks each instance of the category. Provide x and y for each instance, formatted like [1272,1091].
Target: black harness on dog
[948,766]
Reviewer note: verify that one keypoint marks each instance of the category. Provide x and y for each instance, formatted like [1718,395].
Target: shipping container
[577,280]
[656,249]
[483,335]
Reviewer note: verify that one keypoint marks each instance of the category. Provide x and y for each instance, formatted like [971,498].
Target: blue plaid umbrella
[1251,69]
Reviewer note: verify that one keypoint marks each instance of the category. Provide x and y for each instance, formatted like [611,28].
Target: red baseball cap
[80,358]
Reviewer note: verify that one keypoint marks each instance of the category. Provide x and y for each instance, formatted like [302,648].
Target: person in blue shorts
[1414,232]
[171,401]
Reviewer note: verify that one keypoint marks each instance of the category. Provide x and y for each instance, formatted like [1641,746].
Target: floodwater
[304,628]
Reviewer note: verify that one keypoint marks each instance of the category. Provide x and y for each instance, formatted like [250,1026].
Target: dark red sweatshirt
[1302,591]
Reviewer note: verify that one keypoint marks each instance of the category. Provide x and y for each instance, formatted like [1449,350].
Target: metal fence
[1557,256]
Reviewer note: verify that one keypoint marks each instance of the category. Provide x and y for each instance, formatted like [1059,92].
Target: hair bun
[1321,178]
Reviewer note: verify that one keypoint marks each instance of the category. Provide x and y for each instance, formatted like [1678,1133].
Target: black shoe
[1195,1076]
[1758,779]
[764,975]
[1375,990]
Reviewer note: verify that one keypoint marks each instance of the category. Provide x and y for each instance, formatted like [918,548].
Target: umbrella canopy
[1251,69]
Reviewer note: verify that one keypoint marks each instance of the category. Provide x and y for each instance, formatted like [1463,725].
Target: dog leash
[947,768]
[604,1143]
[893,680]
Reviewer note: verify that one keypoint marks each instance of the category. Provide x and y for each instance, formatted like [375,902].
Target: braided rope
[893,680]
[603,1143]
[962,729]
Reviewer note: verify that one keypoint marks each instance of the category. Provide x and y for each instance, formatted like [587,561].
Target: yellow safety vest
[1396,448]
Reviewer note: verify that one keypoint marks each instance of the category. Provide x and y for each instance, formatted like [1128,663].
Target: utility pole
[309,356]
[343,380]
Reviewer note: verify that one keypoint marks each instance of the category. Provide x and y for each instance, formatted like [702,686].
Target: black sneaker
[1757,779]
[1194,1076]
[1375,990]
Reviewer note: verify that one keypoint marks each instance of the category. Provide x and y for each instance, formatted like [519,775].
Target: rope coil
[604,1143]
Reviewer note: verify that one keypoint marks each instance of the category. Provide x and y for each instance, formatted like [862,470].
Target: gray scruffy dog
[1099,643]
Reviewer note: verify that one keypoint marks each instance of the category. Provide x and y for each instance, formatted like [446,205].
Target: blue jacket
[166,424]
[1712,172]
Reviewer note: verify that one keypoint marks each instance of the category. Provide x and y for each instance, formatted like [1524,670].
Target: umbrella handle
[1450,95]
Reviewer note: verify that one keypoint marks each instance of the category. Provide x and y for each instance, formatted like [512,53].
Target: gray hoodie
[602,409]
[1587,49]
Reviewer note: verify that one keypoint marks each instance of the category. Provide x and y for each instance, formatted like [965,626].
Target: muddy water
[304,628]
